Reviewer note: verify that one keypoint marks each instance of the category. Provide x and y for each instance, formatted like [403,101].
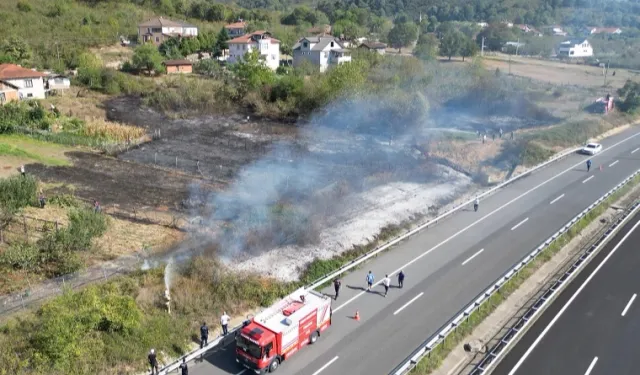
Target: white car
[592,148]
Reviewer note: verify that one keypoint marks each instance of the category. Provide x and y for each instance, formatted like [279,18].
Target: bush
[17,192]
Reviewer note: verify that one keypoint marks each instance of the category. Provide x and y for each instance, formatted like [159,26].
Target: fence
[323,280]
[463,315]
[26,228]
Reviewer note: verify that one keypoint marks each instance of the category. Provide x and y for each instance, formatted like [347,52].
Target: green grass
[430,363]
[12,150]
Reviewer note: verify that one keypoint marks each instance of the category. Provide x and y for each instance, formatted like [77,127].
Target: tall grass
[102,129]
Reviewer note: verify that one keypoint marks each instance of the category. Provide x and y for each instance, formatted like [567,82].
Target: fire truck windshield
[249,347]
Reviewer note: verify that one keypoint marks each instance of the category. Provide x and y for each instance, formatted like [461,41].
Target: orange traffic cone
[357,316]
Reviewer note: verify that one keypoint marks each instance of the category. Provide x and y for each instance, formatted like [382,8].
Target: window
[156,30]
[29,95]
[28,83]
[331,44]
[304,44]
[157,40]
[324,54]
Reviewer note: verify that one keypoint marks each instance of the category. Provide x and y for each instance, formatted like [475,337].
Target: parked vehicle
[281,330]
[592,148]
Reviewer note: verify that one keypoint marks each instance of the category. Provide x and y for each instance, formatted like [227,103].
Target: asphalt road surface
[447,266]
[593,327]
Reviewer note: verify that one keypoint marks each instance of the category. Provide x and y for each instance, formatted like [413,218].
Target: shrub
[17,192]
[84,225]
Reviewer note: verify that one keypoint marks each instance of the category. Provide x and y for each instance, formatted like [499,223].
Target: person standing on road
[386,282]
[153,362]
[588,165]
[484,138]
[476,204]
[184,370]
[401,279]
[336,285]
[370,280]
[224,322]
[204,335]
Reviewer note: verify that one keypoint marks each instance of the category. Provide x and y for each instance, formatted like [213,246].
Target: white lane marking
[408,303]
[573,297]
[614,163]
[634,151]
[471,257]
[591,366]
[624,312]
[557,199]
[520,223]
[481,219]
[325,366]
[588,179]
[242,372]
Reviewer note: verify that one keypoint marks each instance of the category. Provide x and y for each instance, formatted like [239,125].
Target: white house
[320,51]
[29,83]
[575,48]
[159,29]
[57,82]
[556,30]
[268,46]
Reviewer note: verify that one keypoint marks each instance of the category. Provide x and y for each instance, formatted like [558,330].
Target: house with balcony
[268,46]
[28,83]
[322,52]
[236,29]
[158,30]
[575,48]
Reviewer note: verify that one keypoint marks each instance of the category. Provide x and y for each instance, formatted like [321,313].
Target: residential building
[158,30]
[528,30]
[29,83]
[178,66]
[320,51]
[57,82]
[555,30]
[236,29]
[603,30]
[575,48]
[377,47]
[262,41]
[8,93]
[512,47]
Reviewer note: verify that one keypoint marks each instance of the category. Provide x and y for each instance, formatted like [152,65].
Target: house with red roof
[29,83]
[236,29]
[262,41]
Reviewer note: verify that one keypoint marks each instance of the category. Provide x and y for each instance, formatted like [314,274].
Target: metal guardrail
[354,263]
[463,315]
[520,327]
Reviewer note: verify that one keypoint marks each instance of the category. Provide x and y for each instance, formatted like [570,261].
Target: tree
[452,43]
[252,72]
[347,28]
[469,48]
[402,35]
[495,37]
[147,58]
[221,43]
[89,70]
[427,47]
[630,93]
[15,50]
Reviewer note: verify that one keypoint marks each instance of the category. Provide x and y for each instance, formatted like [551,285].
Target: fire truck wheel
[314,337]
[274,365]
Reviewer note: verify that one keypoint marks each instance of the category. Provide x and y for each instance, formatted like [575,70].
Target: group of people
[204,340]
[386,282]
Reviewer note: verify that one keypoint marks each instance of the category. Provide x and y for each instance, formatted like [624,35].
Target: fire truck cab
[276,333]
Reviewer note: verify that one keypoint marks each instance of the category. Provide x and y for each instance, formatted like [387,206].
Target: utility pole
[606,72]
[482,48]
[517,46]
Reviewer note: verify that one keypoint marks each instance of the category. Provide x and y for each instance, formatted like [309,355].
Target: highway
[593,326]
[447,266]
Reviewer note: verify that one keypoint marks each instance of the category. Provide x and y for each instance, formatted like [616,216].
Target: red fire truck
[281,330]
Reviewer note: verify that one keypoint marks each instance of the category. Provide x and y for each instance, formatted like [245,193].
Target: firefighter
[224,322]
[184,370]
[386,282]
[370,280]
[337,283]
[153,362]
[204,335]
[401,279]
